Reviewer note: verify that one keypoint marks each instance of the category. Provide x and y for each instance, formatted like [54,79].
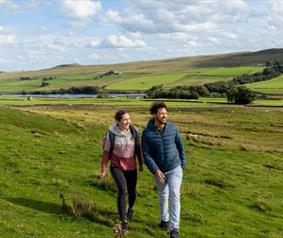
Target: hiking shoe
[174,233]
[164,225]
[124,226]
[130,213]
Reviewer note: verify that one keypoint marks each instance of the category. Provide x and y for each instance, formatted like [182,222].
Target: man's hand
[160,176]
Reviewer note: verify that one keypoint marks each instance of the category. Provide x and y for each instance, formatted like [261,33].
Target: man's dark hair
[157,105]
[119,114]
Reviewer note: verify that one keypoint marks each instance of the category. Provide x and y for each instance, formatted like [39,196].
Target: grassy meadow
[232,183]
[273,86]
[127,81]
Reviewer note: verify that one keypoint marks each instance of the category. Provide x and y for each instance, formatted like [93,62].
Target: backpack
[134,133]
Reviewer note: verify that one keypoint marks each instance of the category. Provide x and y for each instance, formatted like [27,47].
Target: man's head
[158,111]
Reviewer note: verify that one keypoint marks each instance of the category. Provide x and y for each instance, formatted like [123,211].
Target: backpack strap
[137,152]
[112,142]
[134,134]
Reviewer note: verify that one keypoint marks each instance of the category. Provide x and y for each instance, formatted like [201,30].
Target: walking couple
[163,152]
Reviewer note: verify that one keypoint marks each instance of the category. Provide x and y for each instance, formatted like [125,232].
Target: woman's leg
[120,181]
[131,180]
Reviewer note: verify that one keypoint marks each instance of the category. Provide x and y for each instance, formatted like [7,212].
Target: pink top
[123,152]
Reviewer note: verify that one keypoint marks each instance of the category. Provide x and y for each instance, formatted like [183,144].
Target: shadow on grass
[105,217]
[42,206]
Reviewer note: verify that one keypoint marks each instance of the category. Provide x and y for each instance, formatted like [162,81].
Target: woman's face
[125,122]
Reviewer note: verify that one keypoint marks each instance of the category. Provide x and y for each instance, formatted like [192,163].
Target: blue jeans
[170,190]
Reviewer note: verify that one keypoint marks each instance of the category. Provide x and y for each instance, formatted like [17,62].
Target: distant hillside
[165,65]
[242,59]
[140,76]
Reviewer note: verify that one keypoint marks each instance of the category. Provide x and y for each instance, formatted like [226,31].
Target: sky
[38,34]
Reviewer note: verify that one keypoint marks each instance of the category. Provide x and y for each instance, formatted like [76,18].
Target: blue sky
[37,34]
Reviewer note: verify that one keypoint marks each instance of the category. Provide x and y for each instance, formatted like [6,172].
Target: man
[164,155]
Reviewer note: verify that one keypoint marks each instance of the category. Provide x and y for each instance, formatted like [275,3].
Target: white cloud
[94,42]
[178,16]
[93,56]
[8,5]
[214,40]
[56,47]
[121,41]
[275,20]
[6,37]
[81,9]
[277,6]
[112,16]
[138,23]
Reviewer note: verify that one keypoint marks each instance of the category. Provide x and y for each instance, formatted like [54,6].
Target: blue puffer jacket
[165,150]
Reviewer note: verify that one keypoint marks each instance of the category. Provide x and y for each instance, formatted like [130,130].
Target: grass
[124,102]
[55,149]
[128,81]
[273,86]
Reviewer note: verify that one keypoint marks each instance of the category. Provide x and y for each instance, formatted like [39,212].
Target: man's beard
[160,121]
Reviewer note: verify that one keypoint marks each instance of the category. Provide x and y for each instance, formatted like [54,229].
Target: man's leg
[174,180]
[163,193]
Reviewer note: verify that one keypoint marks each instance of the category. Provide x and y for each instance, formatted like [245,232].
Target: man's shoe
[174,233]
[164,225]
[130,213]
[124,226]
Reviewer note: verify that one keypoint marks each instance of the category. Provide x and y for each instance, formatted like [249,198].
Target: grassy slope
[128,81]
[78,75]
[44,155]
[273,86]
[132,103]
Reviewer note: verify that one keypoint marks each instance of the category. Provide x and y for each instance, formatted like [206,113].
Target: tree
[102,94]
[240,95]
[43,84]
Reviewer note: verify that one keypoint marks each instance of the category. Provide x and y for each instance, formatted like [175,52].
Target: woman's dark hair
[157,105]
[119,114]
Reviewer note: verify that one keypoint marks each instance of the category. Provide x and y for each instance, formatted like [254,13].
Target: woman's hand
[141,168]
[103,175]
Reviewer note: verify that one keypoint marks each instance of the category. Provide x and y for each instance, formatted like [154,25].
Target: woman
[122,147]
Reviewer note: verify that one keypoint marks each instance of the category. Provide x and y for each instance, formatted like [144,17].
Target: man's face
[161,115]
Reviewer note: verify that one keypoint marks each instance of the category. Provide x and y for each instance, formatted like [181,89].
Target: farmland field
[232,182]
[273,86]
[126,81]
[194,77]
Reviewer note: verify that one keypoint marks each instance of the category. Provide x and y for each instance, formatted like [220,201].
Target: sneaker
[124,226]
[164,225]
[174,233]
[130,213]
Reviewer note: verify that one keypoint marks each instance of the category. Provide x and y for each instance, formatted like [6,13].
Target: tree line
[72,90]
[231,89]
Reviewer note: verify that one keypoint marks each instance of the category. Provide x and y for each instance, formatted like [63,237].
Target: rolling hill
[142,75]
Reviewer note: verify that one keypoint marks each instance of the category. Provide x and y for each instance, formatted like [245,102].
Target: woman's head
[123,119]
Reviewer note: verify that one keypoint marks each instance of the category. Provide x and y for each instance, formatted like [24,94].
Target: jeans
[170,190]
[126,181]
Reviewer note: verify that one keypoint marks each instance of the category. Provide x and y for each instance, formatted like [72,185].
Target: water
[114,95]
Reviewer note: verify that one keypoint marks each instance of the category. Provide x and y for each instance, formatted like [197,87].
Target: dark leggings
[125,181]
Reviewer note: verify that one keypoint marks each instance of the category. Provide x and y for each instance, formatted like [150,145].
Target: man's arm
[148,160]
[181,148]
[139,153]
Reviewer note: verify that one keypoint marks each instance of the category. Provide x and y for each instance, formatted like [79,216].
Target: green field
[122,101]
[273,86]
[127,81]
[194,77]
[232,183]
